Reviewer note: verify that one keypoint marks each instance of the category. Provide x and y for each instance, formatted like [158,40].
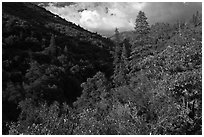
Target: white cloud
[90,19]
[106,16]
[138,6]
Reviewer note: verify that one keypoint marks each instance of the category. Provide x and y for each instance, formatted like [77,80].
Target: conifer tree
[65,50]
[117,35]
[142,30]
[117,55]
[125,60]
[43,42]
[196,19]
[126,48]
[123,69]
[53,48]
[141,24]
[117,47]
[124,56]
[122,66]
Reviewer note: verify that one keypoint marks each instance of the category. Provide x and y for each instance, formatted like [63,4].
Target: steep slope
[37,46]
[38,16]
[26,20]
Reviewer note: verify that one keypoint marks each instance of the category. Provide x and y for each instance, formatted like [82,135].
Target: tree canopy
[59,79]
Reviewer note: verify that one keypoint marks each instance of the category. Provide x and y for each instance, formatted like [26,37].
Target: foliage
[150,85]
[29,34]
[121,62]
[43,119]
[141,45]
[141,24]
[94,91]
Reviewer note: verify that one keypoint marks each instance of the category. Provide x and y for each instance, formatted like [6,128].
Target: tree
[126,49]
[175,74]
[53,48]
[196,19]
[141,46]
[94,91]
[117,35]
[65,50]
[117,48]
[43,119]
[122,67]
[44,82]
[117,58]
[159,34]
[124,62]
[141,24]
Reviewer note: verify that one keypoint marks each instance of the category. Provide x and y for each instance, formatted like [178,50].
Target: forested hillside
[46,58]
[59,78]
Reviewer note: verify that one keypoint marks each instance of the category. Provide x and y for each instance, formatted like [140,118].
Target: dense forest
[58,78]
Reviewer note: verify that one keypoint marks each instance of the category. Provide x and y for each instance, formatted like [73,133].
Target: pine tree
[117,54]
[43,42]
[65,50]
[117,48]
[53,48]
[117,35]
[126,48]
[122,66]
[123,69]
[139,48]
[124,56]
[142,29]
[196,19]
[125,60]
[141,24]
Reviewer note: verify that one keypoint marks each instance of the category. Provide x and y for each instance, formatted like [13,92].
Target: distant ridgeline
[59,78]
[163,29]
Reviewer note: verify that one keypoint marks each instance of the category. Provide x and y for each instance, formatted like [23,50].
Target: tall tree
[117,35]
[196,19]
[140,47]
[65,50]
[94,91]
[124,63]
[117,54]
[141,24]
[53,48]
[122,66]
[126,48]
[117,47]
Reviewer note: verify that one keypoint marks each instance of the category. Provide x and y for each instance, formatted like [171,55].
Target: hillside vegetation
[60,79]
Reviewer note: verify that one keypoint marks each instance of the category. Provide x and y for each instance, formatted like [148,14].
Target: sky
[104,17]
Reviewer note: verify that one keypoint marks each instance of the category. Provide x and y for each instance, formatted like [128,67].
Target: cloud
[170,11]
[99,16]
[104,17]
[90,19]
